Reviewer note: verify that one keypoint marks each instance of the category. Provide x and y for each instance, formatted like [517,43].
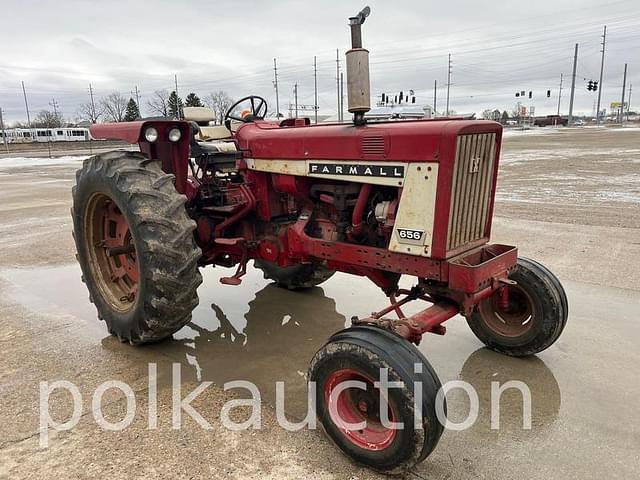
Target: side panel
[413,229]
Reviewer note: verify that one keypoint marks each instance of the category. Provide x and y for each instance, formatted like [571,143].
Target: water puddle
[264,334]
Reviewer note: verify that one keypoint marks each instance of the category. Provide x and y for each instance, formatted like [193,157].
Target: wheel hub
[114,260]
[355,405]
[508,312]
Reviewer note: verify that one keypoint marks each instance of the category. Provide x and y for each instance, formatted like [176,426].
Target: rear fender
[174,156]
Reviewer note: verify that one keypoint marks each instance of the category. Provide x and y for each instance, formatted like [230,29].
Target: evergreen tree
[192,100]
[133,112]
[175,105]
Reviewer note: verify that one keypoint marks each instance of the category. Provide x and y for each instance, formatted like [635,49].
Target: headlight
[151,134]
[174,134]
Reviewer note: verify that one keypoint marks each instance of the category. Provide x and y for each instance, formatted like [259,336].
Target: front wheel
[135,246]
[390,433]
[527,318]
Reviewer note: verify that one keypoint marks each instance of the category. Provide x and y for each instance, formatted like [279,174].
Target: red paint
[358,211]
[459,278]
[356,406]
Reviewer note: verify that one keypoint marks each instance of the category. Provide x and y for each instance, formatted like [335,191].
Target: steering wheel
[258,110]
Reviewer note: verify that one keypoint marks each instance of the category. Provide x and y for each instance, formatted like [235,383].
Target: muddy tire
[359,353]
[534,318]
[135,246]
[295,277]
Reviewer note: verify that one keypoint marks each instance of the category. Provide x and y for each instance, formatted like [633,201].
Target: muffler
[358,87]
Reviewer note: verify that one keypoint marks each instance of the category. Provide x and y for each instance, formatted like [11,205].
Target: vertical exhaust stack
[358,88]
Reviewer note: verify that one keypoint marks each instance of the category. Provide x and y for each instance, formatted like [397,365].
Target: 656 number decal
[410,234]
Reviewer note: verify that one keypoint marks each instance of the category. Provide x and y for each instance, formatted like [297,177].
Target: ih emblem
[475,164]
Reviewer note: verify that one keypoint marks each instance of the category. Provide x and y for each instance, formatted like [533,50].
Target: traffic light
[548,93]
[590,85]
[530,94]
[595,86]
[517,94]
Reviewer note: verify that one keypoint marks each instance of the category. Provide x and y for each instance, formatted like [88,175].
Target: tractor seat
[205,119]
[212,148]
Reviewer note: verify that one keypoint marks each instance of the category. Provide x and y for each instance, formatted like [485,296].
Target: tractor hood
[407,141]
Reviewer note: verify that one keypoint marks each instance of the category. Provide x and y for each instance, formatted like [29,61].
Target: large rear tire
[135,246]
[534,318]
[360,354]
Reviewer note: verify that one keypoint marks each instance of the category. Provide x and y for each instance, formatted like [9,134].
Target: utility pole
[295,95]
[55,107]
[624,89]
[573,86]
[135,92]
[315,88]
[341,97]
[26,105]
[275,84]
[448,84]
[93,105]
[175,77]
[435,97]
[604,42]
[559,94]
[338,84]
[4,135]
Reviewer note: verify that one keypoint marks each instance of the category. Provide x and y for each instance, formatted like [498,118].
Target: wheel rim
[354,406]
[114,261]
[513,318]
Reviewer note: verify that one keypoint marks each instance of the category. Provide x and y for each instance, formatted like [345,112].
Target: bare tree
[159,103]
[219,102]
[90,112]
[115,107]
[47,119]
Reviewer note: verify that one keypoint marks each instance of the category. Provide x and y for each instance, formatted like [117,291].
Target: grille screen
[373,145]
[471,188]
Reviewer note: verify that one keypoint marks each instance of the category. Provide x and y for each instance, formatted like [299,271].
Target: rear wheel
[360,354]
[135,246]
[527,318]
[295,277]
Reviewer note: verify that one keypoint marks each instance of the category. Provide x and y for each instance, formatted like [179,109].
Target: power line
[338,84]
[448,84]
[573,85]
[604,41]
[275,84]
[26,105]
[559,94]
[624,88]
[315,89]
[4,135]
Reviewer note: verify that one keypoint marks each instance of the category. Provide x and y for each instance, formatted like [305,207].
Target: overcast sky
[498,47]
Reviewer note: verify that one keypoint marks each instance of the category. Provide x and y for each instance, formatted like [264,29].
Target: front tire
[359,354]
[135,246]
[534,317]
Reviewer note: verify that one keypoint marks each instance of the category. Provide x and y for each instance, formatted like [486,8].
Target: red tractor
[375,199]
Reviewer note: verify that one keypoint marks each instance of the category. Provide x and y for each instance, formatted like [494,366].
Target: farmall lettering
[392,171]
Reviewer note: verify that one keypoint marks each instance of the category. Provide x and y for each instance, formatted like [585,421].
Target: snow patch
[12,162]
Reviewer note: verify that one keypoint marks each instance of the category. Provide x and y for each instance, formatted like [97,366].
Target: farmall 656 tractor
[375,199]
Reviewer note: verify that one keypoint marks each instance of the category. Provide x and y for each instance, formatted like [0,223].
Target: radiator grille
[373,145]
[471,188]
